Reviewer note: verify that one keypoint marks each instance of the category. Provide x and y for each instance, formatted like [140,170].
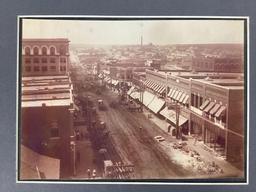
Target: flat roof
[30,78]
[46,87]
[51,96]
[47,103]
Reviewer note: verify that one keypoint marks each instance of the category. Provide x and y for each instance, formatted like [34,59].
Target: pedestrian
[140,128]
[196,138]
[93,173]
[89,173]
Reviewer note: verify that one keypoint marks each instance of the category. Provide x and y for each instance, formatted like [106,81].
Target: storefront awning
[203,106]
[220,112]
[154,86]
[209,107]
[157,87]
[171,116]
[176,95]
[215,109]
[179,95]
[185,101]
[147,98]
[135,95]
[162,90]
[173,93]
[182,97]
[156,105]
[170,92]
[130,90]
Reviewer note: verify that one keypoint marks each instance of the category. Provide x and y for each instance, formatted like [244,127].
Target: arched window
[36,51]
[44,51]
[52,51]
[62,50]
[27,51]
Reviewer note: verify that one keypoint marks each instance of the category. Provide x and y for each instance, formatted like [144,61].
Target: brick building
[45,57]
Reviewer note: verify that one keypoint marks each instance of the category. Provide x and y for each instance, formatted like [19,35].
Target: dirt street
[136,145]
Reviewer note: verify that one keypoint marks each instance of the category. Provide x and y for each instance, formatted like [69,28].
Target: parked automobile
[159,138]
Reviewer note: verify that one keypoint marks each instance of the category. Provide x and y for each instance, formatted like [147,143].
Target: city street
[136,145]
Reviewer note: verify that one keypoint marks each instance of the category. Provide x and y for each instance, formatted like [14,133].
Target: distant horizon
[129,32]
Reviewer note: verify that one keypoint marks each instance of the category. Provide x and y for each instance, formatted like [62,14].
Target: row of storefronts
[210,111]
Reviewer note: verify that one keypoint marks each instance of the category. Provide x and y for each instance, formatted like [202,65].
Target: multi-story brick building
[45,57]
[211,106]
[47,101]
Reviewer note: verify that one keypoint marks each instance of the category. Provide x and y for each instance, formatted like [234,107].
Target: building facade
[45,57]
[210,107]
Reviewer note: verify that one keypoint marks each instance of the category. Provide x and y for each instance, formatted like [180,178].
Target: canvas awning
[130,90]
[215,109]
[147,98]
[178,96]
[173,93]
[156,104]
[170,92]
[209,107]
[162,90]
[220,112]
[182,97]
[185,101]
[135,95]
[205,103]
[171,116]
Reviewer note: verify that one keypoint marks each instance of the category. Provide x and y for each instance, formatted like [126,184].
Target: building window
[44,51]
[62,68]
[27,60]
[28,69]
[52,51]
[53,68]
[44,68]
[44,60]
[62,50]
[54,129]
[63,60]
[36,51]
[36,60]
[27,51]
[52,60]
[36,68]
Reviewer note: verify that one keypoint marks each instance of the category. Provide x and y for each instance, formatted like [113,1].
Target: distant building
[45,57]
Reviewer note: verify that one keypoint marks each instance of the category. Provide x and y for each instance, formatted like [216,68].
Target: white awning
[171,116]
[156,105]
[135,95]
[130,90]
[147,98]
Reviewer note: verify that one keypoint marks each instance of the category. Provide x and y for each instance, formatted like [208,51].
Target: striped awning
[205,103]
[182,97]
[209,107]
[220,112]
[185,101]
[215,109]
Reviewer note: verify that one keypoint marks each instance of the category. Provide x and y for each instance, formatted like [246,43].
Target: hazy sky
[129,32]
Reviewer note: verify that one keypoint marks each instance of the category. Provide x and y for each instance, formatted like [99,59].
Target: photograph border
[244,181]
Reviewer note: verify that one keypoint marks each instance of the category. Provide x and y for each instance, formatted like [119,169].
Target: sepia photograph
[132,99]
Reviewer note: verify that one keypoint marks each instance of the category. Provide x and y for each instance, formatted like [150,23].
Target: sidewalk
[207,154]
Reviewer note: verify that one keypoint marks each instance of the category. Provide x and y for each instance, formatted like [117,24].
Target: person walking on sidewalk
[89,173]
[94,174]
